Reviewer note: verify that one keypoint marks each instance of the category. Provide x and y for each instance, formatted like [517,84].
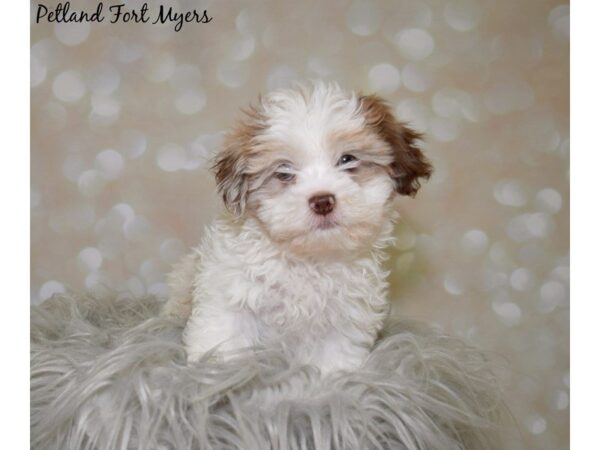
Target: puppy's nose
[322,204]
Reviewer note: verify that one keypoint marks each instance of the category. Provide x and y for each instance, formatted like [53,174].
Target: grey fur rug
[110,374]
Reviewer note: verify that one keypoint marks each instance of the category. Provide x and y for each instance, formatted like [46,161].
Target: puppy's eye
[347,158]
[285,173]
[286,177]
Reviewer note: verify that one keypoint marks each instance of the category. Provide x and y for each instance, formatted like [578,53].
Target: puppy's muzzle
[322,204]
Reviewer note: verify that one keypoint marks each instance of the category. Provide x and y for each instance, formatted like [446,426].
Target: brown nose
[322,204]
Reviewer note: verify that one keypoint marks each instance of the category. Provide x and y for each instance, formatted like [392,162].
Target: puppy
[309,176]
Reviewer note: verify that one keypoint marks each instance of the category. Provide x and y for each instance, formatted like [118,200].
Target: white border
[585,224]
[14,204]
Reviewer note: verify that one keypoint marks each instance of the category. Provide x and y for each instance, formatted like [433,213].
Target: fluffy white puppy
[308,175]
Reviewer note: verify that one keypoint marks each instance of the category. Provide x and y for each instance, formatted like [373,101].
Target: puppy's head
[318,167]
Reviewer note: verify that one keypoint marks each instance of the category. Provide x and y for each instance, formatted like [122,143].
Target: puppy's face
[318,168]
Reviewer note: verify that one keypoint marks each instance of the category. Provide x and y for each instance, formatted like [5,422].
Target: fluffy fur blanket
[111,374]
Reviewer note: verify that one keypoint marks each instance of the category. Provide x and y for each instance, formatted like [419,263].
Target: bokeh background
[125,118]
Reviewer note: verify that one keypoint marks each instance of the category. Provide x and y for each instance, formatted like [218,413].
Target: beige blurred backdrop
[125,118]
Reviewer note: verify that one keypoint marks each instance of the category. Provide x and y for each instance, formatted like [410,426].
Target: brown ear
[410,165]
[231,163]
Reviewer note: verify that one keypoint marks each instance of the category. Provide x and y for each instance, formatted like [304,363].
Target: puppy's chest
[320,296]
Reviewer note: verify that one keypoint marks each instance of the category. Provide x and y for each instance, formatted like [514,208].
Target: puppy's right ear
[231,164]
[231,179]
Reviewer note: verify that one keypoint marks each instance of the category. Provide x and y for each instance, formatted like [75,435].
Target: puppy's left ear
[409,165]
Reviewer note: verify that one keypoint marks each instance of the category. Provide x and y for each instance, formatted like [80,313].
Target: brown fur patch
[230,166]
[410,165]
[374,154]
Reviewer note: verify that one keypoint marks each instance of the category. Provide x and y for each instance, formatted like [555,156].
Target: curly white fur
[247,292]
[280,271]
